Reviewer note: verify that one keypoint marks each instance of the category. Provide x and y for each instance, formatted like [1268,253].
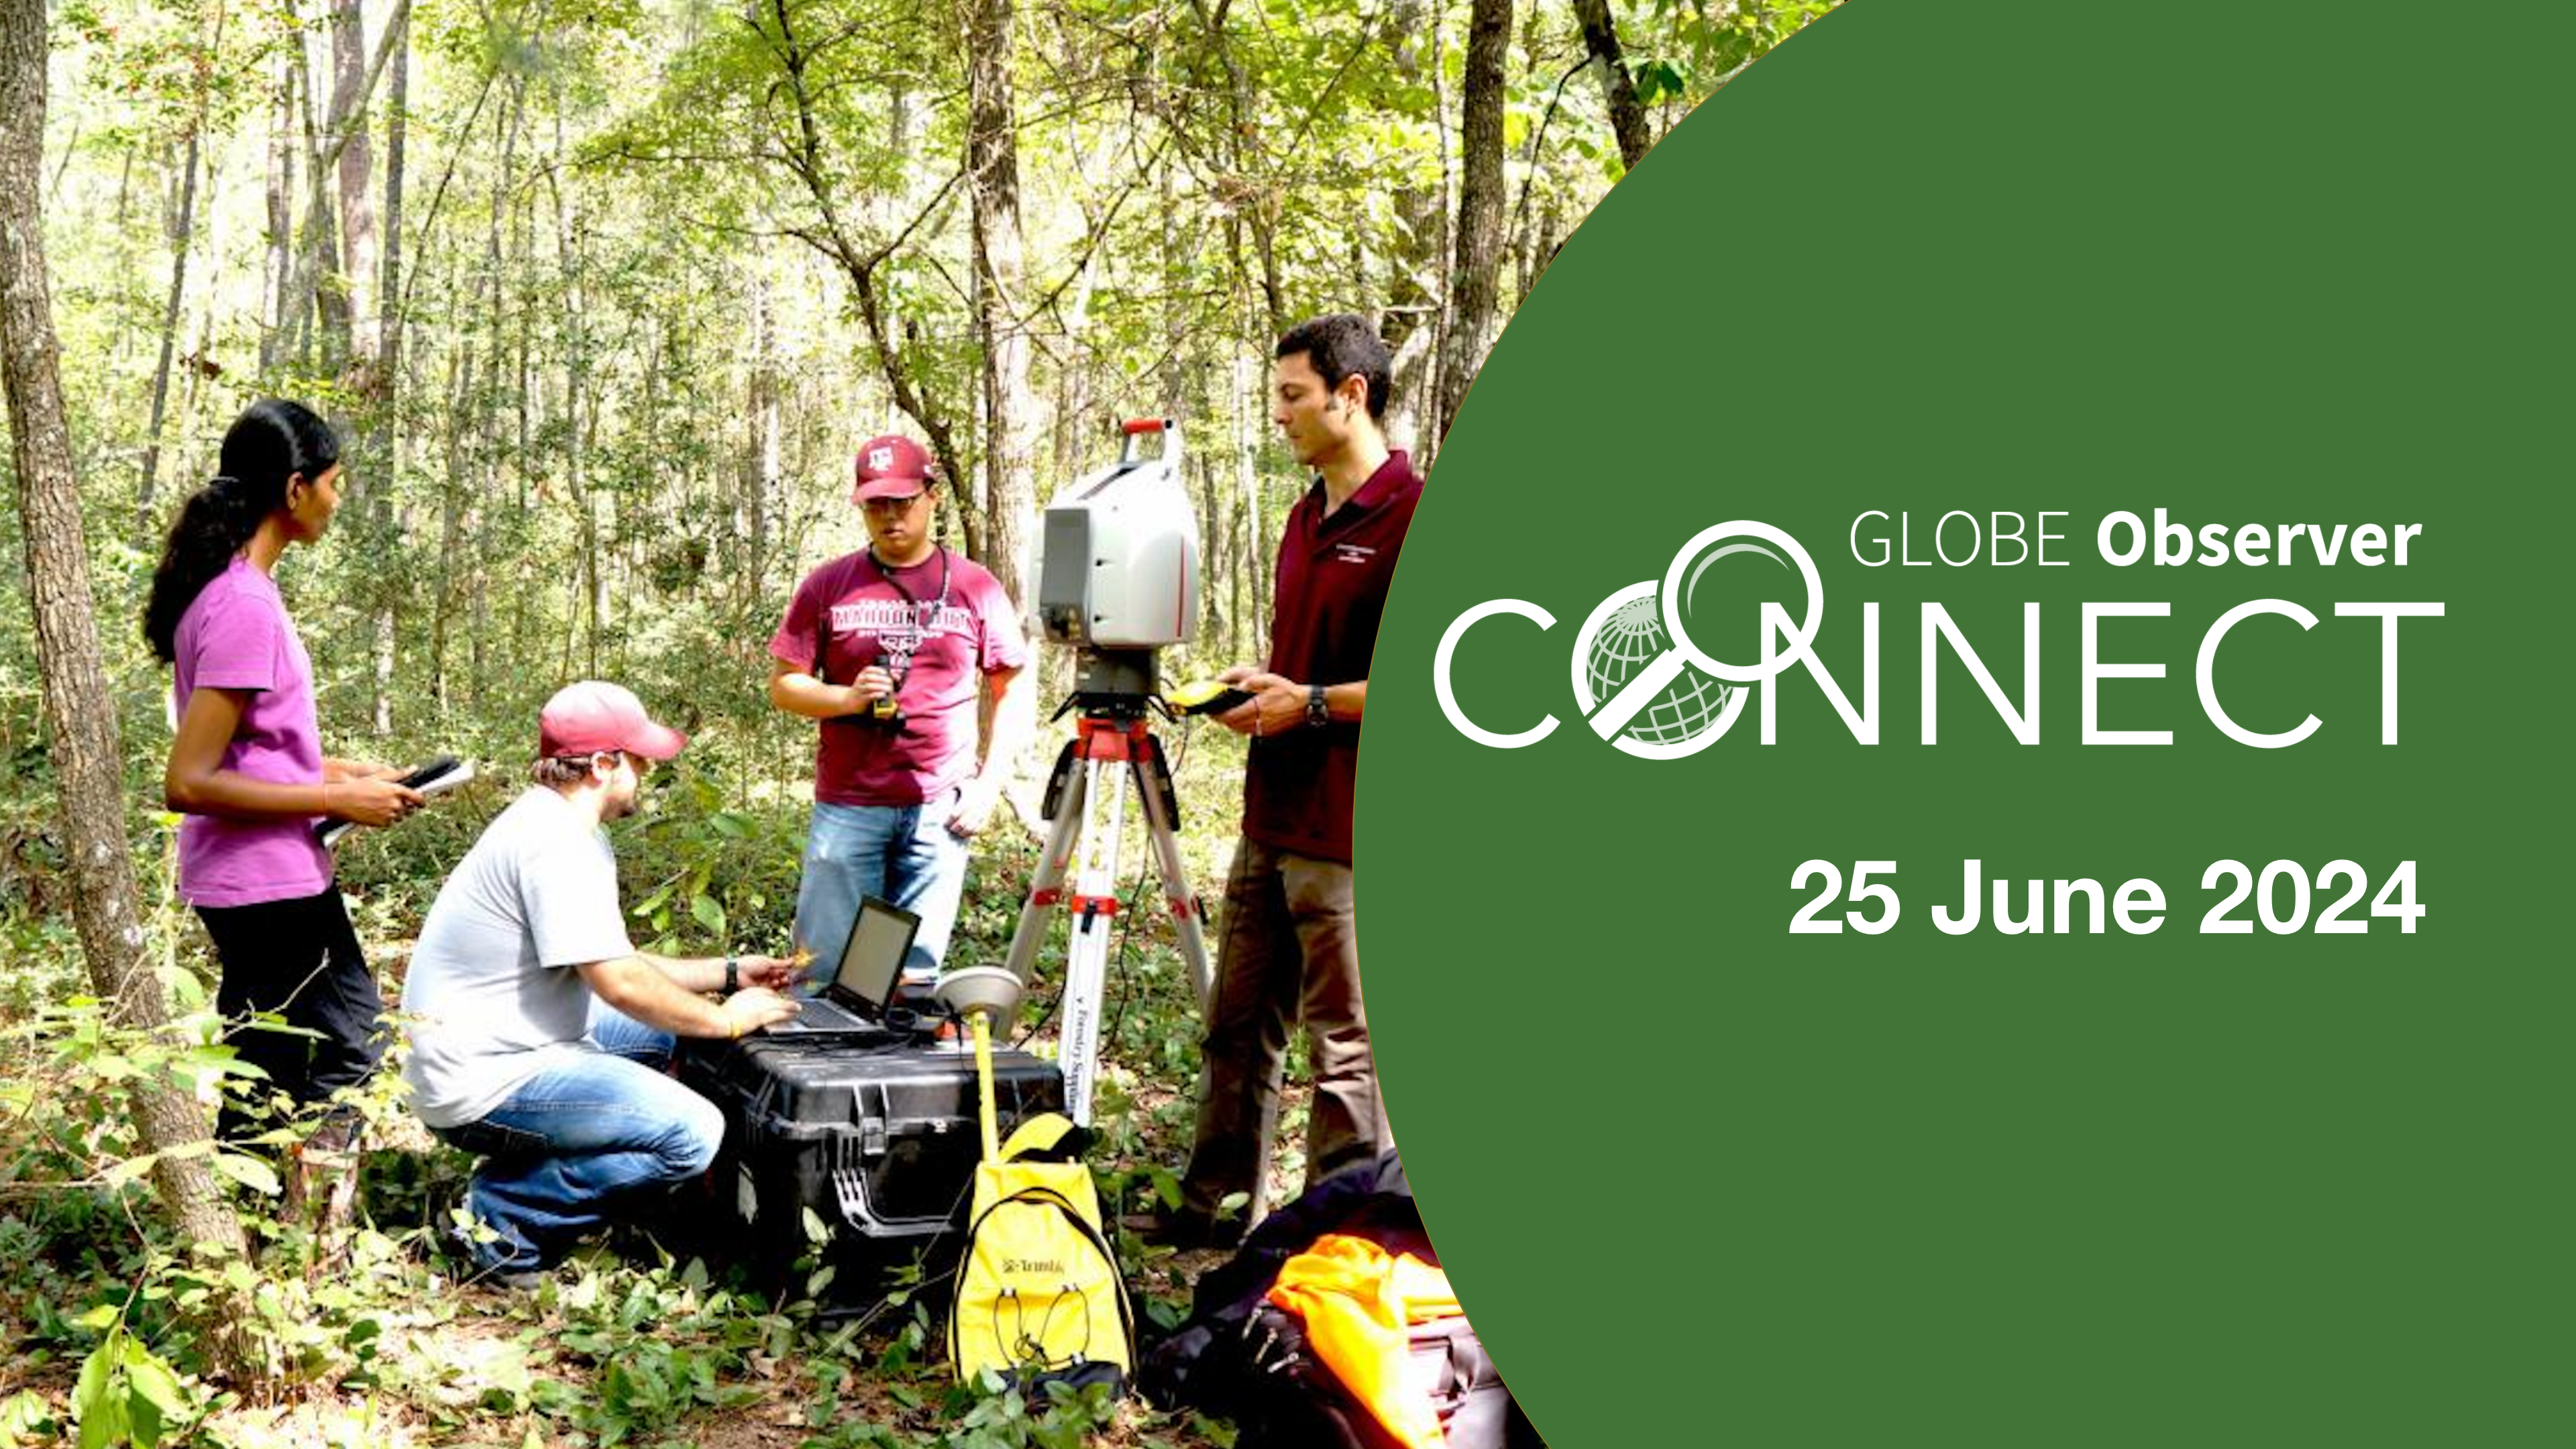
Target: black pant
[300,960]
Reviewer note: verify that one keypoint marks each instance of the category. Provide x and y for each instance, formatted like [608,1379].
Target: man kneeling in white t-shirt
[539,1032]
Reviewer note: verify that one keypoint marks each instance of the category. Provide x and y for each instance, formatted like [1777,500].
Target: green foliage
[615,243]
[126,1394]
[1687,50]
[659,1343]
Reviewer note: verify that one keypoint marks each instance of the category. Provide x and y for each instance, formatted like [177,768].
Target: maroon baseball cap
[591,716]
[892,466]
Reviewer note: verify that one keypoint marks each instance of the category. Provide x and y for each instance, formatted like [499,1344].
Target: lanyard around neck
[886,572]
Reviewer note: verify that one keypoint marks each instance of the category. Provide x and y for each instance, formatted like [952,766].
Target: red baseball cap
[892,466]
[592,715]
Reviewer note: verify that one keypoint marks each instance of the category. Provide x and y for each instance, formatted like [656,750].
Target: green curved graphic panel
[2182,395]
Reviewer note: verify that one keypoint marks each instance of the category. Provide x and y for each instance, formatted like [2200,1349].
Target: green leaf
[99,1318]
[250,1172]
[707,913]
[24,1414]
[96,1405]
[129,1170]
[153,1394]
[815,1230]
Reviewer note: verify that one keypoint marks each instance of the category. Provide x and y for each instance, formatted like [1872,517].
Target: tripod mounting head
[1121,684]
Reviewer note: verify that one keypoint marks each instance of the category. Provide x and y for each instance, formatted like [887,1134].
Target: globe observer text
[2123,539]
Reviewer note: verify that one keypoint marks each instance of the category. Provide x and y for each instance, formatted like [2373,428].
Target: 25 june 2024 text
[2283,897]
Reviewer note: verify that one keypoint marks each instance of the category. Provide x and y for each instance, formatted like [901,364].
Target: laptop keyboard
[819,1014]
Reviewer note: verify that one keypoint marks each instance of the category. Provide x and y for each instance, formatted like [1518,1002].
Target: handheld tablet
[1204,696]
[437,777]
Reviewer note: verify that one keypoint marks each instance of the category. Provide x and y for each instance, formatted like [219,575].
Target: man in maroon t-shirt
[886,647]
[1289,950]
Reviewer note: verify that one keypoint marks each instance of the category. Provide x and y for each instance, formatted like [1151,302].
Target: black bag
[1241,1358]
[877,1135]
[1296,1401]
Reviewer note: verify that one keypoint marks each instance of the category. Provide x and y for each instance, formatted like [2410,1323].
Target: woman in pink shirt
[247,767]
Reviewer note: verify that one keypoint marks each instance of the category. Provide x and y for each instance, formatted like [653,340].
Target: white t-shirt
[492,992]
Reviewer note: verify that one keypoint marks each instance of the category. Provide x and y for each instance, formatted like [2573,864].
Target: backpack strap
[1090,1233]
[1046,1137]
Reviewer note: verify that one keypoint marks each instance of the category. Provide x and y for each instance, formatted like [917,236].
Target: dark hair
[1340,345]
[270,442]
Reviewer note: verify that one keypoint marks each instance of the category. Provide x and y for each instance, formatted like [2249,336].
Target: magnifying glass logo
[1672,599]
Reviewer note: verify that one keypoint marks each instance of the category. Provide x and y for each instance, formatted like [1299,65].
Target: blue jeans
[577,1136]
[901,854]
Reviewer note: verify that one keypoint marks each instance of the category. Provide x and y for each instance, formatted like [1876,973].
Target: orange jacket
[1358,1304]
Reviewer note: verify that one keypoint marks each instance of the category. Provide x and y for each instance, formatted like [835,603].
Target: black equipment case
[875,1132]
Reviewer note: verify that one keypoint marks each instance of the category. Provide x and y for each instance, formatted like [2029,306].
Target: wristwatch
[733,976]
[1318,713]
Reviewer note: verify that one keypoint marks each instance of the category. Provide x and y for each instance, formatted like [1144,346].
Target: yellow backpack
[1039,1296]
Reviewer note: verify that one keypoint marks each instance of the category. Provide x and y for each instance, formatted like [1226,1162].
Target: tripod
[1114,729]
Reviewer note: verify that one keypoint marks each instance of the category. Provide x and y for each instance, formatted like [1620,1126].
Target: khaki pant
[1290,953]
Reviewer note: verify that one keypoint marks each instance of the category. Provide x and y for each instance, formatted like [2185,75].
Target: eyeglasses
[894,507]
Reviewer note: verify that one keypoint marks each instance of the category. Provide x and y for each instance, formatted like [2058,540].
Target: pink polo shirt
[236,636]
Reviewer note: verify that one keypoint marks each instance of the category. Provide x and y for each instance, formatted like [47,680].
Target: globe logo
[1644,684]
[1630,639]
[1622,638]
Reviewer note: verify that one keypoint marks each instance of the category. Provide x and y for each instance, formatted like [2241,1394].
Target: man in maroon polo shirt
[898,796]
[1289,949]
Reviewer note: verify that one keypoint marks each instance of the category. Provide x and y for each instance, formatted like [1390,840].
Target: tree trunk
[993,164]
[1261,206]
[1414,288]
[451,508]
[359,261]
[1474,289]
[79,705]
[385,443]
[170,313]
[485,564]
[316,252]
[1627,117]
[320,309]
[1247,636]
[576,342]
[277,279]
[760,445]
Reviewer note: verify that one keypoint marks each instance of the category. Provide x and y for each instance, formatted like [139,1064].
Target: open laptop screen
[879,940]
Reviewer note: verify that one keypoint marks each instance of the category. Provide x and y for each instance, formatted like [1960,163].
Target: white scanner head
[1118,552]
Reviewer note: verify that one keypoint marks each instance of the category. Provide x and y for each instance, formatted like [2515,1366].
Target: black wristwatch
[1318,713]
[733,976]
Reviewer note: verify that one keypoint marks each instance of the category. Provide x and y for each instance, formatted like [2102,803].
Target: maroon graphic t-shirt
[937,641]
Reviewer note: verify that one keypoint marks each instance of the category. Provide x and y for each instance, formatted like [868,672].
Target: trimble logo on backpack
[1053,1267]
[1646,685]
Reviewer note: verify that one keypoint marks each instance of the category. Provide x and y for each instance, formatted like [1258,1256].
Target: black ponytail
[270,442]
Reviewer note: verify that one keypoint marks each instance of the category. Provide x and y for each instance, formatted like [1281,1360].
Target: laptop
[871,964]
